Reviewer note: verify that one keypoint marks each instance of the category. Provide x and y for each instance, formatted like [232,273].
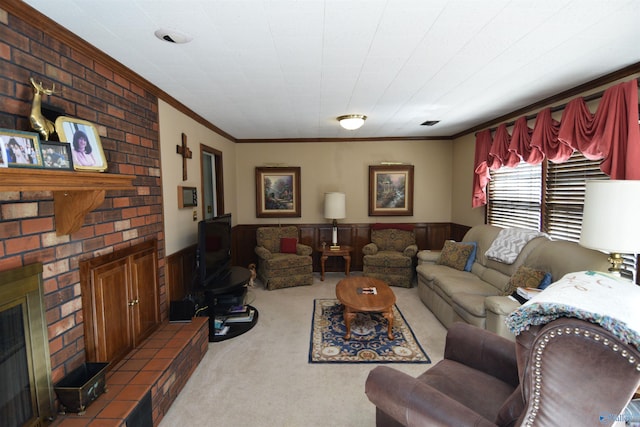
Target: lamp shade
[352,121]
[335,205]
[610,216]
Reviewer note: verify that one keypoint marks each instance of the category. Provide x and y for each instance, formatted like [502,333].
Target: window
[515,196]
[564,195]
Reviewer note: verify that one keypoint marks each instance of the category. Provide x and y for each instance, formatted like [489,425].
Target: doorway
[212,183]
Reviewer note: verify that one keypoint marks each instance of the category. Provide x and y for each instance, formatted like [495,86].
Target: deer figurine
[39,122]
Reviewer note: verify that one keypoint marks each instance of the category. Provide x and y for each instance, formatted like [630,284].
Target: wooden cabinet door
[121,302]
[112,335]
[146,310]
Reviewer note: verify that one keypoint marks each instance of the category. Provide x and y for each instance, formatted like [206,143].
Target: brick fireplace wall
[88,86]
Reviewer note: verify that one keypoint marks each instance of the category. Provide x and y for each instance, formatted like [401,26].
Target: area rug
[369,342]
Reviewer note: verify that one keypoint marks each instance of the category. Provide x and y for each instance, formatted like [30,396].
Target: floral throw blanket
[600,298]
[509,242]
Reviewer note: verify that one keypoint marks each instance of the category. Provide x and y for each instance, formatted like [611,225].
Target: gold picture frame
[89,158]
[278,192]
[391,190]
[20,149]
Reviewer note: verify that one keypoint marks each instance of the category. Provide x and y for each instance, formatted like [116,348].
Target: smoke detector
[173,36]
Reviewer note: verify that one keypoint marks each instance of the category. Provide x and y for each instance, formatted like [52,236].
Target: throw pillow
[524,277]
[546,281]
[288,245]
[472,256]
[455,254]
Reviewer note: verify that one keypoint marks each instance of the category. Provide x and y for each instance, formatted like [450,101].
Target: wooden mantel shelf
[74,193]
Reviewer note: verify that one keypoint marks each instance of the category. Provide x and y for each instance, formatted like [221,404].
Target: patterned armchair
[282,261]
[390,255]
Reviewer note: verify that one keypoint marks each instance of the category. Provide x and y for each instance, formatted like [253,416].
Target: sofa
[480,296]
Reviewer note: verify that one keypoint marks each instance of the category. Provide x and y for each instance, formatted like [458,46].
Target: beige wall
[443,175]
[180,228]
[325,166]
[343,166]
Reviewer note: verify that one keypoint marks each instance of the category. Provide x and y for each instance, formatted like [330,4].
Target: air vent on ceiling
[430,123]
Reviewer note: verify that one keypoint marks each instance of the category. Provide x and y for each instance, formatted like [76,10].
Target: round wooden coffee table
[354,301]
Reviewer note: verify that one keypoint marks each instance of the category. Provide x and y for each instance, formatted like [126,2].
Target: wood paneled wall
[180,268]
[428,236]
[181,265]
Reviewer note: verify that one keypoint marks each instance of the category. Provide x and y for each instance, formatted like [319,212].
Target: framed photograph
[391,190]
[56,155]
[20,149]
[277,192]
[3,154]
[86,148]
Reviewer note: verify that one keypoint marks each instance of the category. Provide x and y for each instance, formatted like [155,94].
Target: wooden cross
[186,154]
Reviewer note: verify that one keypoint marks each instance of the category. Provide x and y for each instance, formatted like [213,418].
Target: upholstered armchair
[568,372]
[391,254]
[282,261]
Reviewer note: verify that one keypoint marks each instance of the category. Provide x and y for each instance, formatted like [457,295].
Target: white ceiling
[264,69]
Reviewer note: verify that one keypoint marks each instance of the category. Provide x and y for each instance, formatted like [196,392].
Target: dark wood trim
[55,30]
[570,93]
[377,138]
[217,158]
[58,32]
[180,268]
[458,231]
[428,236]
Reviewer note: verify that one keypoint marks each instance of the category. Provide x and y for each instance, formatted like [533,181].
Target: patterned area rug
[369,342]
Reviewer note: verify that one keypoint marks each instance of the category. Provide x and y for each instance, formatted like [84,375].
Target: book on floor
[222,331]
[240,319]
[238,309]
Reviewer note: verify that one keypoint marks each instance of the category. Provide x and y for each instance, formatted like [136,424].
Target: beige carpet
[263,378]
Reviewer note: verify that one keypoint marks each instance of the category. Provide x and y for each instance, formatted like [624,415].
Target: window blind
[518,198]
[564,195]
[515,196]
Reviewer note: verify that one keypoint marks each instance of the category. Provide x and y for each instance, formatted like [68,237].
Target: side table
[344,251]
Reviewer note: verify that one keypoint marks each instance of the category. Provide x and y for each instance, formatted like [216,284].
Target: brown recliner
[568,372]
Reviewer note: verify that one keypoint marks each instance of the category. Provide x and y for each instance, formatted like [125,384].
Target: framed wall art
[20,149]
[391,190]
[86,148]
[56,155]
[277,192]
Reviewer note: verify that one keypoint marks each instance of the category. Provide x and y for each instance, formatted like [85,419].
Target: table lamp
[334,209]
[610,220]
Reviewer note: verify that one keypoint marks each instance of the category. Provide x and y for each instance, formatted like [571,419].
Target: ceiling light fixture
[352,121]
[173,36]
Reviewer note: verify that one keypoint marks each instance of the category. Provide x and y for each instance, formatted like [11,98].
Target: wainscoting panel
[180,265]
[180,272]
[428,236]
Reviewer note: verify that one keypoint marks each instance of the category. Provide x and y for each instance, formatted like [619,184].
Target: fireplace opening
[26,397]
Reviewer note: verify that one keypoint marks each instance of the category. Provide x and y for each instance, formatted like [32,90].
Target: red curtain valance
[612,134]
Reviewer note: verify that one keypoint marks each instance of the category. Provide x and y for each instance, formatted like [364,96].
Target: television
[214,249]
